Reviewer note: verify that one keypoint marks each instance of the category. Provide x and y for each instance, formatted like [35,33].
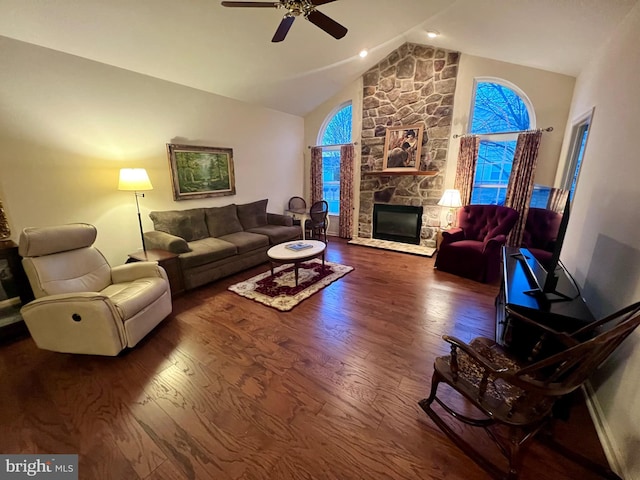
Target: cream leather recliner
[83,305]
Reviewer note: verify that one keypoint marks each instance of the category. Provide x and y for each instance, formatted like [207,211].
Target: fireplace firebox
[397,223]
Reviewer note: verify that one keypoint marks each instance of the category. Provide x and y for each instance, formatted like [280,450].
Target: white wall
[67,125]
[550,93]
[602,247]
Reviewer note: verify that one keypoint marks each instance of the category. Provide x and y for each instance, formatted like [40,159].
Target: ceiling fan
[306,8]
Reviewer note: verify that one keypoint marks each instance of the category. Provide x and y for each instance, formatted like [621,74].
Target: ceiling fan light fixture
[295,8]
[432,34]
[363,53]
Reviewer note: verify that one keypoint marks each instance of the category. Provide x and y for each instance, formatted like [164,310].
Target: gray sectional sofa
[212,243]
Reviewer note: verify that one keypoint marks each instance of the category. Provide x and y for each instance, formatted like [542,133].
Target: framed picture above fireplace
[402,148]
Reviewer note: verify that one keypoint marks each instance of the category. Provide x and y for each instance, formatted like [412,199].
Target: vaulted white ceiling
[228,51]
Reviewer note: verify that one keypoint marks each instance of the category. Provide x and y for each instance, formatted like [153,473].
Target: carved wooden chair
[515,396]
[316,226]
[297,204]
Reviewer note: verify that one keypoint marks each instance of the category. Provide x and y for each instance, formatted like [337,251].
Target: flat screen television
[546,278]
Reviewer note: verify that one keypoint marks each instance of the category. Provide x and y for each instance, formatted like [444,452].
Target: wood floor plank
[186,452]
[167,471]
[230,389]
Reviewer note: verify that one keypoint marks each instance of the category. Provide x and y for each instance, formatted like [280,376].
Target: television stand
[567,315]
[546,283]
[554,296]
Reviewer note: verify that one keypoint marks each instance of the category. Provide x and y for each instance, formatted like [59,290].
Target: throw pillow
[254,214]
[188,224]
[222,220]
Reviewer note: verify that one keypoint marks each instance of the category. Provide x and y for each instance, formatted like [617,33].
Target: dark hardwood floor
[227,388]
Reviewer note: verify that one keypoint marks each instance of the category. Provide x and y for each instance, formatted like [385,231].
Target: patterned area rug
[279,291]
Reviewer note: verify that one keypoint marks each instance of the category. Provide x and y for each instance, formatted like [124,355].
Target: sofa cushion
[222,220]
[188,224]
[205,251]
[278,233]
[253,214]
[246,241]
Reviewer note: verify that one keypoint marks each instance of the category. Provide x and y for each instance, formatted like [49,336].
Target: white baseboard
[603,431]
[334,226]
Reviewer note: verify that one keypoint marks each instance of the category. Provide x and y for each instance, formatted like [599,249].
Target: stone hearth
[394,246]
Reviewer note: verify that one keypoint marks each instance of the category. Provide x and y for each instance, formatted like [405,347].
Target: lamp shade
[451,199]
[134,179]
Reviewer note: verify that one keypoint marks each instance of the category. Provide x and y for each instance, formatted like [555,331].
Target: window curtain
[557,199]
[466,167]
[521,181]
[346,191]
[316,174]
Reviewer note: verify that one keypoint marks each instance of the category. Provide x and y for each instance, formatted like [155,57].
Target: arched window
[499,108]
[336,131]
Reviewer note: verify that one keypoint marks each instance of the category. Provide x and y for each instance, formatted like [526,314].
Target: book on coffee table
[298,246]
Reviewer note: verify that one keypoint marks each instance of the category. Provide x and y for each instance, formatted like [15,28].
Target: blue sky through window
[497,109]
[337,132]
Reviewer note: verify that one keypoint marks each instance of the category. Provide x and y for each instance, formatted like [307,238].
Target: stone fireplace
[415,84]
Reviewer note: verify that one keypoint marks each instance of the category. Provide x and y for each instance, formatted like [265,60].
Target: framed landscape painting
[402,148]
[199,172]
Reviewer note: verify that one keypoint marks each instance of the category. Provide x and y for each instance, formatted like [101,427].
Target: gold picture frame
[200,172]
[402,148]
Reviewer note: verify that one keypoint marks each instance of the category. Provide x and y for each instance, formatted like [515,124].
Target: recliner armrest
[166,241]
[494,243]
[277,219]
[452,235]
[133,271]
[82,296]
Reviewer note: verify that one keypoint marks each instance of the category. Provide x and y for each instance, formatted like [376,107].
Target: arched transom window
[500,111]
[336,132]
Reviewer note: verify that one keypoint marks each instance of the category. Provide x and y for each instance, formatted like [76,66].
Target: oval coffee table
[280,254]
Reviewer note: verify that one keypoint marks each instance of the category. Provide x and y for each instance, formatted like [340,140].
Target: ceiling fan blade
[321,2]
[252,4]
[327,24]
[283,28]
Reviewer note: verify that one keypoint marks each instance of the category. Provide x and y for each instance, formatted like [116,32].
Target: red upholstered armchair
[540,233]
[472,249]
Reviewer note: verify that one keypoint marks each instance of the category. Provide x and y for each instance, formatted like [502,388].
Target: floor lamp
[451,199]
[135,179]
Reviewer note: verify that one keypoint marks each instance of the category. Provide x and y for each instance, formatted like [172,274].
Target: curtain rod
[334,145]
[459,135]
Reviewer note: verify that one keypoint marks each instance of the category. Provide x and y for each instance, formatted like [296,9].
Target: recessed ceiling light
[363,53]
[432,34]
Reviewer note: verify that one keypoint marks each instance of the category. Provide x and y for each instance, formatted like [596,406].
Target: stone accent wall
[415,84]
